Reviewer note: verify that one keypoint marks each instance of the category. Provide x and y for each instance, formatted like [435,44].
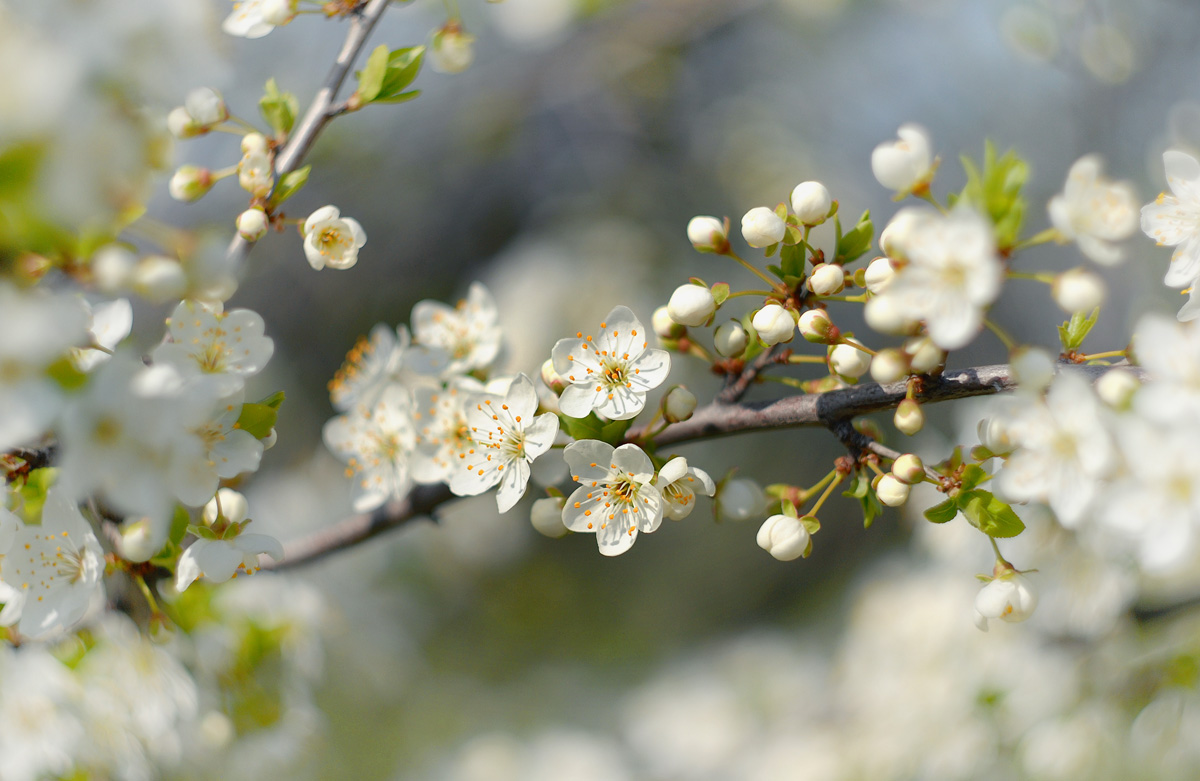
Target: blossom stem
[925,195]
[1050,234]
[826,493]
[791,382]
[749,293]
[241,123]
[822,483]
[857,346]
[752,269]
[1109,354]
[806,359]
[851,299]
[1044,276]
[999,558]
[151,602]
[1000,334]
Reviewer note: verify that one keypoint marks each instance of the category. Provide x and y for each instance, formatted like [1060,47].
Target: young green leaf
[279,109]
[990,515]
[370,78]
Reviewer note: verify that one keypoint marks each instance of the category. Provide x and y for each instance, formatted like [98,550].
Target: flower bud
[849,361]
[923,355]
[909,418]
[256,174]
[909,469]
[784,537]
[816,327]
[664,326]
[891,491]
[762,227]
[181,124]
[678,404]
[252,224]
[1116,388]
[896,235]
[159,279]
[1009,597]
[141,538]
[811,202]
[740,500]
[995,436]
[206,106]
[270,439]
[691,305]
[884,315]
[707,234]
[889,365]
[827,279]
[1032,368]
[553,379]
[450,49]
[112,268]
[190,183]
[278,12]
[1078,290]
[233,507]
[774,324]
[546,516]
[903,165]
[254,144]
[730,339]
[879,275]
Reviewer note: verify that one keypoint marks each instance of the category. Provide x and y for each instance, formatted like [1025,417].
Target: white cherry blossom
[111,323]
[1170,352]
[616,499]
[376,442]
[612,373]
[370,366]
[227,345]
[216,561]
[507,440]
[905,164]
[247,20]
[1009,597]
[443,433]
[1094,211]
[680,483]
[331,239]
[469,332]
[1174,220]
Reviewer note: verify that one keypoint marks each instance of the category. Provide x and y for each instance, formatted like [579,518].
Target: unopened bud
[1116,388]
[691,305]
[816,327]
[774,324]
[158,278]
[141,538]
[707,234]
[898,232]
[891,491]
[206,106]
[252,224]
[270,439]
[256,174]
[784,537]
[233,507]
[811,202]
[181,124]
[112,268]
[451,50]
[546,516]
[254,144]
[827,279]
[889,365]
[994,435]
[849,361]
[909,469]
[190,183]
[909,418]
[553,379]
[879,275]
[762,227]
[1078,290]
[278,12]
[664,326]
[678,404]
[923,355]
[884,315]
[730,339]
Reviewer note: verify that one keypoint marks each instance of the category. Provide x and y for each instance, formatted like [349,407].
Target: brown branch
[737,387]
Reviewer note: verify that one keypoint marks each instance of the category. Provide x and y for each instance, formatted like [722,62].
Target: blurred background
[561,170]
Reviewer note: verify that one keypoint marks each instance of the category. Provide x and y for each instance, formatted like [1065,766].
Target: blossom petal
[589,459]
[513,481]
[633,460]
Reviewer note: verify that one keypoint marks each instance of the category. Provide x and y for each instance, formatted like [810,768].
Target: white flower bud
[1078,290]
[206,106]
[1010,598]
[784,537]
[891,491]
[909,469]
[1032,368]
[909,418]
[141,538]
[774,324]
[730,339]
[889,365]
[233,507]
[451,50]
[762,227]
[811,202]
[849,361]
[1116,388]
[190,183]
[884,315]
[278,12]
[664,326]
[740,500]
[879,275]
[816,327]
[827,279]
[904,164]
[995,436]
[691,305]
[252,224]
[707,234]
[112,268]
[270,439]
[546,516]
[181,124]
[679,404]
[923,355]
[553,379]
[254,144]
[256,173]
[896,235]
[159,279]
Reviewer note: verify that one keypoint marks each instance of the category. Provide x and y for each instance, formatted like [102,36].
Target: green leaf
[791,261]
[996,192]
[257,419]
[613,432]
[720,292]
[274,401]
[1074,331]
[402,97]
[403,65]
[973,475]
[279,109]
[289,184]
[179,524]
[67,374]
[990,515]
[861,490]
[19,165]
[788,508]
[582,428]
[942,513]
[810,523]
[754,345]
[33,492]
[370,78]
[854,244]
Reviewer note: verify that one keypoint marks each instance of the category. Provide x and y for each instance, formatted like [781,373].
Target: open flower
[229,345]
[612,373]
[906,164]
[331,239]
[376,443]
[1009,597]
[1174,220]
[507,439]
[616,498]
[216,561]
[256,18]
[443,432]
[1095,211]
[679,483]
[469,331]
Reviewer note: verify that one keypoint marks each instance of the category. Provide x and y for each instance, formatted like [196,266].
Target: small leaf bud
[691,305]
[761,227]
[252,224]
[811,202]
[1116,388]
[190,183]
[664,326]
[849,361]
[774,324]
[546,516]
[678,404]
[909,469]
[707,234]
[816,327]
[1078,290]
[891,491]
[879,275]
[730,339]
[909,418]
[784,537]
[740,500]
[827,279]
[889,365]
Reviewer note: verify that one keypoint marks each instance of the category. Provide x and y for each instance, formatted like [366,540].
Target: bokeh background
[561,170]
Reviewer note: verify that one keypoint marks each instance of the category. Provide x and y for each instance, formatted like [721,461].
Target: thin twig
[736,389]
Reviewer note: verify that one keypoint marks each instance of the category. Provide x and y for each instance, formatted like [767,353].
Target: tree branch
[322,109]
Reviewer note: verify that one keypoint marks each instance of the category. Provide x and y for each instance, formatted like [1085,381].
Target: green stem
[752,269]
[825,494]
[1050,234]
[791,382]
[1000,334]
[1109,354]
[999,557]
[763,293]
[824,481]
[857,346]
[926,195]
[1043,276]
[806,359]
[851,299]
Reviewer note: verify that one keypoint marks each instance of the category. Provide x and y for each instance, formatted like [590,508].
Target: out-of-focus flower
[879,275]
[906,164]
[469,332]
[1009,597]
[376,442]
[1174,220]
[216,561]
[230,345]
[252,224]
[546,515]
[848,360]
[256,175]
[1078,290]
[740,499]
[1094,212]
[331,239]
[451,49]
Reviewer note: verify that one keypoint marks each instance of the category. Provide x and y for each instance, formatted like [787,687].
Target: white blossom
[216,561]
[879,275]
[256,174]
[229,346]
[1174,220]
[905,164]
[616,499]
[1078,290]
[443,433]
[612,373]
[111,323]
[451,50]
[707,234]
[826,279]
[331,239]
[248,19]
[1009,597]
[469,332]
[1094,212]
[206,106]
[546,515]
[1170,353]
[740,499]
[377,444]
[774,324]
[679,404]
[680,482]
